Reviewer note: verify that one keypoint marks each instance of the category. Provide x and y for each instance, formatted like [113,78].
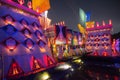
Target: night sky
[68,11]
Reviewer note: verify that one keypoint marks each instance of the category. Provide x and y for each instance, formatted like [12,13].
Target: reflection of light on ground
[75,57]
[43,76]
[72,69]
[77,60]
[67,76]
[64,66]
[79,68]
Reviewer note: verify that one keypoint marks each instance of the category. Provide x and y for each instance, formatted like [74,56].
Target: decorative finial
[97,24]
[21,2]
[110,22]
[103,23]
[29,4]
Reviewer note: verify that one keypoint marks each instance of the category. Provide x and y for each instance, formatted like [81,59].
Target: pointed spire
[29,4]
[110,22]
[97,24]
[103,23]
[63,23]
[58,23]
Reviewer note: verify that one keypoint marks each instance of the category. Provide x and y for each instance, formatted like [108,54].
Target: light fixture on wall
[29,43]
[35,26]
[10,29]
[27,33]
[42,46]
[24,22]
[38,34]
[11,43]
[8,19]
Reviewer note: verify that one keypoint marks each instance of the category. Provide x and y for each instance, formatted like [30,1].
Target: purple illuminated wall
[99,40]
[21,39]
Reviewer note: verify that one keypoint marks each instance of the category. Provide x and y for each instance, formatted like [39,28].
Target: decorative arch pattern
[48,60]
[35,26]
[27,33]
[8,19]
[36,64]
[11,43]
[10,29]
[105,53]
[41,43]
[95,53]
[14,69]
[29,43]
[38,34]
[24,22]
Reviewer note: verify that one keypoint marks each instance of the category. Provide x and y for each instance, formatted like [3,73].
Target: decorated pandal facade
[75,43]
[116,43]
[116,46]
[99,40]
[63,42]
[23,46]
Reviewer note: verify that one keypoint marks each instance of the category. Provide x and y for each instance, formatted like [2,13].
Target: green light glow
[82,17]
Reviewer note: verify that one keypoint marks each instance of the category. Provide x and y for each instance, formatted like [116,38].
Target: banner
[81,29]
[40,5]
